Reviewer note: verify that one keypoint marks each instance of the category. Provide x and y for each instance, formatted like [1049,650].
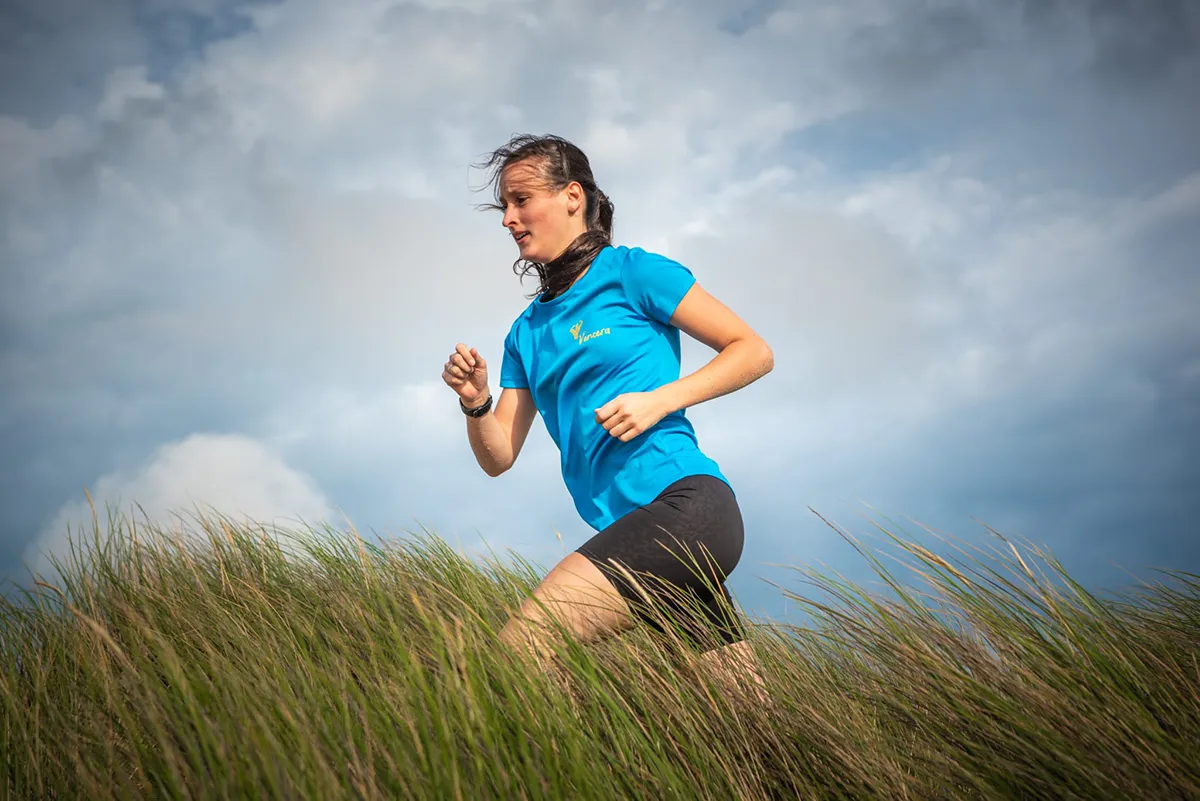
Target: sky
[240,239]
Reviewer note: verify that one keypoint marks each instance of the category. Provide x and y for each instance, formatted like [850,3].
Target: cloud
[1134,44]
[966,240]
[915,47]
[950,346]
[63,51]
[204,474]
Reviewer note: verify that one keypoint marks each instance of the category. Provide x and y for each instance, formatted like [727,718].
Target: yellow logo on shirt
[577,329]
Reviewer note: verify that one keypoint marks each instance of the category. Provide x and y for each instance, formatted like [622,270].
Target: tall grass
[246,661]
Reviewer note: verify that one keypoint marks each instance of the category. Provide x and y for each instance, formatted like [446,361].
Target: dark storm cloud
[916,48]
[55,54]
[1095,95]
[1105,479]
[1136,43]
[1128,44]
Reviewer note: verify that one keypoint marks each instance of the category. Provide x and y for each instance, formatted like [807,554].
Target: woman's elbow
[498,467]
[496,470]
[767,356]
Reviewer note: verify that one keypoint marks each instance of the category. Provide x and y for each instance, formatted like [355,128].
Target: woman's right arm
[496,437]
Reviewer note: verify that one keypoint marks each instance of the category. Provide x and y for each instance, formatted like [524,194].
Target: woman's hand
[466,373]
[626,416]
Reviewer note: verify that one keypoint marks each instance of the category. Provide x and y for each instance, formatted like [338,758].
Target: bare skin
[585,603]
[543,223]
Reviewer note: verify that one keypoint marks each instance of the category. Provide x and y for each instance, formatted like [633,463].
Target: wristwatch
[478,411]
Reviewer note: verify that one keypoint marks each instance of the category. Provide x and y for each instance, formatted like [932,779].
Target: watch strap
[478,411]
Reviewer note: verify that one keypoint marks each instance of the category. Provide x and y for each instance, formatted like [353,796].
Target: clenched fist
[629,415]
[466,374]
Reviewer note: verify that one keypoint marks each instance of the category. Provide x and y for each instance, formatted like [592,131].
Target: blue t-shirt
[608,334]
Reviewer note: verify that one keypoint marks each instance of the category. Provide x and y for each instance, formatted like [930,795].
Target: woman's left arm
[742,358]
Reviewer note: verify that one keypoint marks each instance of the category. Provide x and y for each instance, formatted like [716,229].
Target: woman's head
[552,207]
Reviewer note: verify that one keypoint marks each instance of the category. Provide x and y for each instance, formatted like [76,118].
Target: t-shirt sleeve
[655,284]
[512,367]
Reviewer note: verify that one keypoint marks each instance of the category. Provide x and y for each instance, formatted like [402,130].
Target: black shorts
[693,526]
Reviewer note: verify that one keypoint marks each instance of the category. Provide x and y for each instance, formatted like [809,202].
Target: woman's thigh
[575,595]
[684,543]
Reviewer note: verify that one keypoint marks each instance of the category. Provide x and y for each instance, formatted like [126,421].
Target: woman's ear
[575,198]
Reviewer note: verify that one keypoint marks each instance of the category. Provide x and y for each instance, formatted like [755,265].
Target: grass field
[246,662]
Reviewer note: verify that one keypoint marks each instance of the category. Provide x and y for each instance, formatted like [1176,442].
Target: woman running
[597,353]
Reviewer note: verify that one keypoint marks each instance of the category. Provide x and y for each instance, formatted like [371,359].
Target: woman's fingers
[464,365]
[465,355]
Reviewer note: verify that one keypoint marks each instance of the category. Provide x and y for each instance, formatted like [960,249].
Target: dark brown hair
[559,163]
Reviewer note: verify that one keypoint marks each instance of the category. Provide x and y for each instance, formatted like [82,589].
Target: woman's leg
[737,668]
[579,597]
[693,527]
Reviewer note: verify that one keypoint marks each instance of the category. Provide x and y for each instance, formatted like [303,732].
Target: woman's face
[541,221]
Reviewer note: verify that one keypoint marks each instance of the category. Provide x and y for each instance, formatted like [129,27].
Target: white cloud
[204,474]
[934,203]
[416,420]
[843,299]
